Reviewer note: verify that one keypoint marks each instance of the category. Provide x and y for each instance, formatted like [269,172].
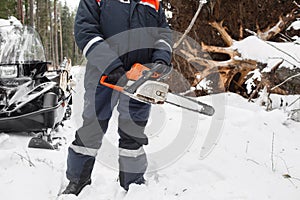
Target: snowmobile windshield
[20,44]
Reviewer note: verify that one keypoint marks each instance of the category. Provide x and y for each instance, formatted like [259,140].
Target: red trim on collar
[155,3]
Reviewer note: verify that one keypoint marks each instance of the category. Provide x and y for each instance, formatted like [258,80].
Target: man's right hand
[117,77]
[162,68]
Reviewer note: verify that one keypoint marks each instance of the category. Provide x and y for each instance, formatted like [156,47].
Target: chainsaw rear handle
[114,87]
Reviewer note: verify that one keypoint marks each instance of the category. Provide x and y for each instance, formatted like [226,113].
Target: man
[98,24]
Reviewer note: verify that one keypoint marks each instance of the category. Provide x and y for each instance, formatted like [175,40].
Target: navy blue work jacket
[96,21]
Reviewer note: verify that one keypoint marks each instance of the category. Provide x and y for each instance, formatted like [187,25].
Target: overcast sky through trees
[72,3]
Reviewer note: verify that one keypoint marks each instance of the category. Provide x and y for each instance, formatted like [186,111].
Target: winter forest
[233,134]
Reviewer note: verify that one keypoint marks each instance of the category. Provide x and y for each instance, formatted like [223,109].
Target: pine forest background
[53,20]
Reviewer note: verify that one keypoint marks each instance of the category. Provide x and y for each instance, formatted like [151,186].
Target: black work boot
[75,188]
[130,178]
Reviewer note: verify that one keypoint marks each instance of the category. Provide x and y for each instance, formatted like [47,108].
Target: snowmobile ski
[23,99]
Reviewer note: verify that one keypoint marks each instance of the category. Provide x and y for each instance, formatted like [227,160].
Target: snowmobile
[35,97]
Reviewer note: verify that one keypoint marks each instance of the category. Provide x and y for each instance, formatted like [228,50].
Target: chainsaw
[145,85]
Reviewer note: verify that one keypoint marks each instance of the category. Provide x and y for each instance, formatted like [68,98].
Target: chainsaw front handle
[114,87]
[138,70]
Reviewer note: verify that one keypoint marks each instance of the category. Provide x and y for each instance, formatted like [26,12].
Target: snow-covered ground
[256,157]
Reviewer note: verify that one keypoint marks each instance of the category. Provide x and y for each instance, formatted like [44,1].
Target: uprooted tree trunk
[218,69]
[219,76]
[281,25]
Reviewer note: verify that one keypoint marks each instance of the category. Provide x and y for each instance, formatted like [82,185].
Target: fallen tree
[215,69]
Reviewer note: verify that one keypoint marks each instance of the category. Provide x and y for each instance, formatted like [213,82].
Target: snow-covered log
[248,65]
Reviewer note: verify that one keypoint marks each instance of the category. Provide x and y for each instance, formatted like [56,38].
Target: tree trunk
[26,11]
[55,33]
[20,11]
[60,37]
[51,49]
[31,13]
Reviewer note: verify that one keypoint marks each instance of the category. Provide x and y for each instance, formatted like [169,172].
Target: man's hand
[117,77]
[162,68]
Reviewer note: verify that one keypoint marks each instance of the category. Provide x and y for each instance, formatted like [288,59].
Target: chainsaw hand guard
[109,85]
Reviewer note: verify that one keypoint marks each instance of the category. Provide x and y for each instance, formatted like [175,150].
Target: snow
[255,150]
[264,51]
[205,85]
[295,25]
[250,83]
[169,14]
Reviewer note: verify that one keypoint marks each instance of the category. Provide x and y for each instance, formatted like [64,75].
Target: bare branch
[284,162]
[255,92]
[225,36]
[27,159]
[294,102]
[253,161]
[272,154]
[298,5]
[250,31]
[201,3]
[295,59]
[280,26]
[286,80]
[283,59]
[215,49]
[190,48]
